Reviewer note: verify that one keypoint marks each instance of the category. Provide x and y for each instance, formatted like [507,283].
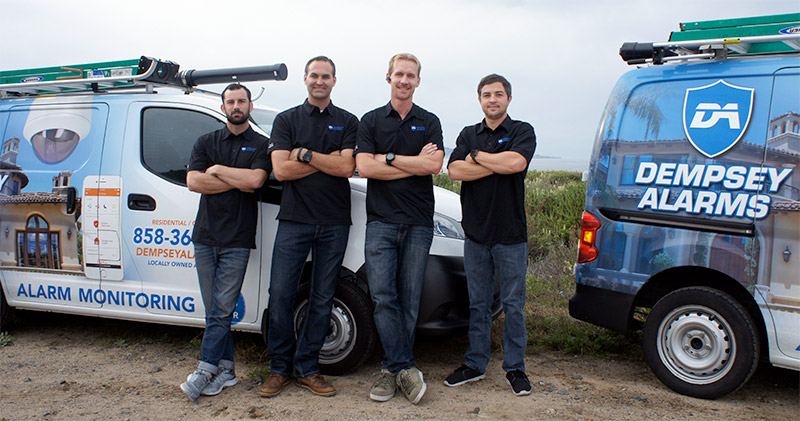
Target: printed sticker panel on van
[49,146]
[693,151]
[780,269]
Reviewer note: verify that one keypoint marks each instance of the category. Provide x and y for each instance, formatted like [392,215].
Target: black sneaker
[463,374]
[519,382]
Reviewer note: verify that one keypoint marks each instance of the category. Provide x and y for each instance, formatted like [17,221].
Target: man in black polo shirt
[226,166]
[312,151]
[491,159]
[399,147]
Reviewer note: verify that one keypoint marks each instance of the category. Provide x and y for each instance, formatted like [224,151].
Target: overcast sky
[560,56]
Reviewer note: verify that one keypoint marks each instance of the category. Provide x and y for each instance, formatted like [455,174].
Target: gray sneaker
[384,388]
[411,384]
[195,383]
[225,378]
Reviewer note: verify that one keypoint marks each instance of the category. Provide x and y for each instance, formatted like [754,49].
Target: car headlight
[445,226]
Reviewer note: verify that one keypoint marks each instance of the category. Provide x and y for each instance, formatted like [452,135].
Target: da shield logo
[716,116]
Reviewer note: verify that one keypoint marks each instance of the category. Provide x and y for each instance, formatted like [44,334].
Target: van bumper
[602,307]
[444,306]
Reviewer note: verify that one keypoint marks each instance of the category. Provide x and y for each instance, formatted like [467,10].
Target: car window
[168,135]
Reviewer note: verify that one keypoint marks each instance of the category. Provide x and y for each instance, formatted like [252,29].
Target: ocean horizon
[544,163]
[559,164]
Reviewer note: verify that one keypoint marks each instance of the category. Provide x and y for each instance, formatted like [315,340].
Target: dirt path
[65,367]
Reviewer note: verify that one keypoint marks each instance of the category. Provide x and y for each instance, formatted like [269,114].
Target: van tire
[352,335]
[5,312]
[701,342]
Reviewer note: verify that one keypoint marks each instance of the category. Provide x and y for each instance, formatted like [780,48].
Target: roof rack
[717,39]
[144,73]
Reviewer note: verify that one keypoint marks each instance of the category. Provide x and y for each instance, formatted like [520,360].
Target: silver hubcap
[341,333]
[696,344]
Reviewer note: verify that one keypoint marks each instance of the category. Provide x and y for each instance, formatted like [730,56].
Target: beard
[238,118]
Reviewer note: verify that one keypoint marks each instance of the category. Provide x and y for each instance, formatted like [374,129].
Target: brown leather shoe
[273,385]
[317,385]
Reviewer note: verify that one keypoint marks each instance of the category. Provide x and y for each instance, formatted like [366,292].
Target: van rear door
[781,288]
[51,147]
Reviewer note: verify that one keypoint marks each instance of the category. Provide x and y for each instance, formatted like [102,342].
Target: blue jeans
[293,241]
[506,263]
[220,272]
[395,258]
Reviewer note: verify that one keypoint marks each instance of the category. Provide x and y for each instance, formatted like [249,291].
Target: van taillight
[586,249]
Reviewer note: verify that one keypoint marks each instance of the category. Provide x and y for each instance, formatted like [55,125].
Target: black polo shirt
[320,198]
[228,219]
[493,207]
[407,200]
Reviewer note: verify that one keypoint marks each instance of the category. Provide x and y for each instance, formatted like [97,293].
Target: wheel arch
[676,278]
[358,278]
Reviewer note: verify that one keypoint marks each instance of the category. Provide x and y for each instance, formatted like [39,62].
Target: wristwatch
[473,154]
[390,158]
[307,156]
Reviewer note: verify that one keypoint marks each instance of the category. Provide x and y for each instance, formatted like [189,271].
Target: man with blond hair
[399,147]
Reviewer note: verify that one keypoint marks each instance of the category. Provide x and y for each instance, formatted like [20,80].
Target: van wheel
[5,312]
[351,335]
[701,342]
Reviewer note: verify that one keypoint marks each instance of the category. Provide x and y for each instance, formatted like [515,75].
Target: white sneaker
[225,378]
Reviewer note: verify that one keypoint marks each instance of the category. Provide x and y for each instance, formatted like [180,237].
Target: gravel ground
[69,367]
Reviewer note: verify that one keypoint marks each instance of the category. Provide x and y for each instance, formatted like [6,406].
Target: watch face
[307,156]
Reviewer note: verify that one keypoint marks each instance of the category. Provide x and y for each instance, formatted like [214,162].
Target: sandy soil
[66,367]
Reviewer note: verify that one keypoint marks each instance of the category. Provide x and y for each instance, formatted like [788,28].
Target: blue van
[692,223]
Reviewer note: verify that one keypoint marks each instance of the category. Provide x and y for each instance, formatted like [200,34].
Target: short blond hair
[404,56]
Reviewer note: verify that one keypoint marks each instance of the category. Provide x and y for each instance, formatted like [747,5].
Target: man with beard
[312,151]
[227,166]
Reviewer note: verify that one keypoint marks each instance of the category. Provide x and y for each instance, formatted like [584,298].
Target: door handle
[141,202]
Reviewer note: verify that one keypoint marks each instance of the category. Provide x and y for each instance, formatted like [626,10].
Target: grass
[554,201]
[6,339]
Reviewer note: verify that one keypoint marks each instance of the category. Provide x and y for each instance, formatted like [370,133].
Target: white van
[96,219]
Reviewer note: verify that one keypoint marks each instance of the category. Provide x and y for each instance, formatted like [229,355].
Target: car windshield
[263,119]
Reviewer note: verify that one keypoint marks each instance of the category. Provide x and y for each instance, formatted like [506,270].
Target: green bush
[554,201]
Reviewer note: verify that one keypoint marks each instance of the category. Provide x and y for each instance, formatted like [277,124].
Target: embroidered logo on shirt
[503,140]
[248,149]
[336,128]
[417,128]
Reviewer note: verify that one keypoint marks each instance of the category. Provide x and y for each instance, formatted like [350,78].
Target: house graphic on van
[36,231]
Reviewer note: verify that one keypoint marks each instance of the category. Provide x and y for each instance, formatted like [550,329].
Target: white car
[96,219]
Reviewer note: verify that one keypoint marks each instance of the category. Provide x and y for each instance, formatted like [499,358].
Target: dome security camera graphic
[54,133]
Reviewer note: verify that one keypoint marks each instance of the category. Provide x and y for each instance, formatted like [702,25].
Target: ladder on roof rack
[717,48]
[145,72]
[716,39]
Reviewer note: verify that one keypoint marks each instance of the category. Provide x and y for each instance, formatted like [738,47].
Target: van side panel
[49,147]
[688,171]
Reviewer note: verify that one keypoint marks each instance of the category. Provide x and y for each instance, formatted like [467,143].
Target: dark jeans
[220,272]
[506,263]
[293,241]
[396,256]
